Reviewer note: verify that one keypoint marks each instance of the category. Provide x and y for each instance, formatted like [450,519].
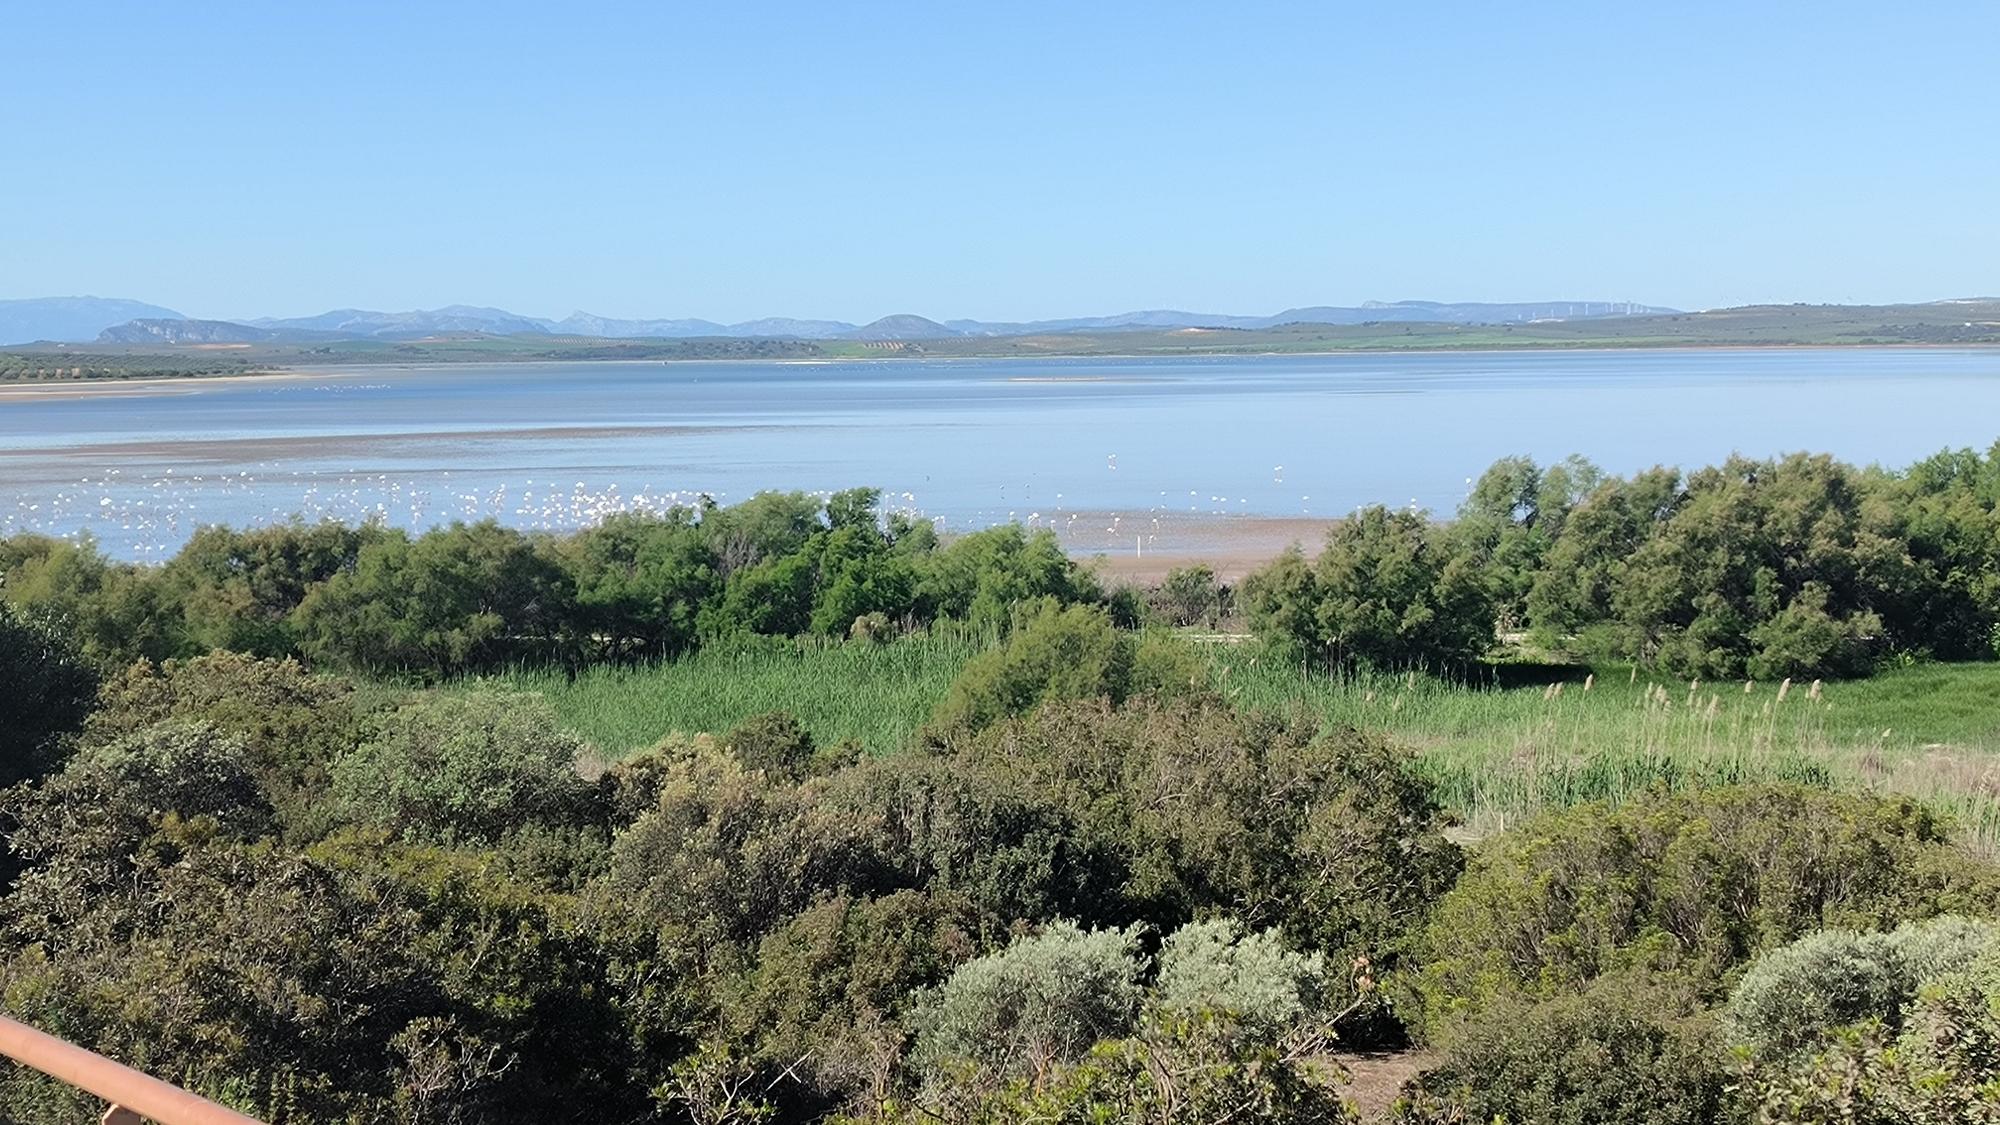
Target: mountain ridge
[73,320]
[87,319]
[462,319]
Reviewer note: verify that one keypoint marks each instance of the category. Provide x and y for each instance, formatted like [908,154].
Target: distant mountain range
[96,319]
[70,318]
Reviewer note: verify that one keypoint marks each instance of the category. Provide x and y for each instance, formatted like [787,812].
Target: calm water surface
[970,442]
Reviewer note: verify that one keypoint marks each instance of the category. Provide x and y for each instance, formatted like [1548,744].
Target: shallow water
[970,442]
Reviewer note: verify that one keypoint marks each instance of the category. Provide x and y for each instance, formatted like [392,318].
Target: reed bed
[875,694]
[1496,754]
[1500,754]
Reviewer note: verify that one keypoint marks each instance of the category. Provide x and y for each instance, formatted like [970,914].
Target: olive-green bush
[462,768]
[1693,885]
[1627,1050]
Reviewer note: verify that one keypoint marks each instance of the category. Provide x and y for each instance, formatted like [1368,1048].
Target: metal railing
[134,1096]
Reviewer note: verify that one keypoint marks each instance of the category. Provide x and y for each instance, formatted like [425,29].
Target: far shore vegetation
[1947,323]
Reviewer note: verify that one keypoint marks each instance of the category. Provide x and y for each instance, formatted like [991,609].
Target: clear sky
[740,159]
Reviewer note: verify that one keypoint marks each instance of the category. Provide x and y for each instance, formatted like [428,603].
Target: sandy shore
[248,450]
[1147,546]
[159,385]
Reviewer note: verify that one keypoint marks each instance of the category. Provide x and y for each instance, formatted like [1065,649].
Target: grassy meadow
[1932,731]
[877,695]
[1496,753]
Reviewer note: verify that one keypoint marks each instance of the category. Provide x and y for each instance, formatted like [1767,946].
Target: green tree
[859,575]
[1389,589]
[459,598]
[980,578]
[112,611]
[237,590]
[641,581]
[1190,595]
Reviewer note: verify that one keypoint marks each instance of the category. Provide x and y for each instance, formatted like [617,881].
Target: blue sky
[995,161]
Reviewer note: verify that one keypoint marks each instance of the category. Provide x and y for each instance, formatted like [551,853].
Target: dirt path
[1376,1077]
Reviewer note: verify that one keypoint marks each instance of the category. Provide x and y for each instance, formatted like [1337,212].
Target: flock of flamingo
[149,515]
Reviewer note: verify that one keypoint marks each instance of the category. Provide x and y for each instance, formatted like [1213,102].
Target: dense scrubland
[1630,800]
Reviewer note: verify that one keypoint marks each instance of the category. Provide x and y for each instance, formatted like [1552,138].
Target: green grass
[877,695]
[1496,754]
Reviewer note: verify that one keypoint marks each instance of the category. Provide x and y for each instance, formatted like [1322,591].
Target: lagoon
[1109,450]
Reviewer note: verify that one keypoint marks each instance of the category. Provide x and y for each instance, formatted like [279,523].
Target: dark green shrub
[293,723]
[775,743]
[355,984]
[963,826]
[463,767]
[1055,653]
[832,988]
[1623,1052]
[133,801]
[724,854]
[49,689]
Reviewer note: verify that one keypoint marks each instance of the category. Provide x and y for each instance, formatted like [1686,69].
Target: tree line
[1800,566]
[473,597]
[1796,567]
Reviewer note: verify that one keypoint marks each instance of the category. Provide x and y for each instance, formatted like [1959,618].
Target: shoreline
[1231,545]
[150,384]
[153,384]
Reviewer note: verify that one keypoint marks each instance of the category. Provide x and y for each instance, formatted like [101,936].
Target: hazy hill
[155,330]
[902,326]
[420,322]
[1466,312]
[1147,319]
[70,319]
[589,324]
[787,326]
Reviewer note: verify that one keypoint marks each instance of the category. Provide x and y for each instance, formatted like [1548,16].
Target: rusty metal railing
[134,1096]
